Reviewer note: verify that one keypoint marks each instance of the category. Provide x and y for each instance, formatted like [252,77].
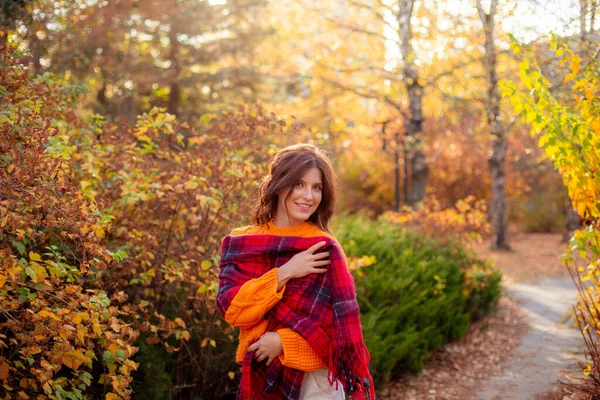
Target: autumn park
[465,140]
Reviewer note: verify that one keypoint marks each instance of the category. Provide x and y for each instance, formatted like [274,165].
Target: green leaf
[19,246]
[206,264]
[31,273]
[108,356]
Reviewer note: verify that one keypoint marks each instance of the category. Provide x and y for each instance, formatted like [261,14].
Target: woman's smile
[304,199]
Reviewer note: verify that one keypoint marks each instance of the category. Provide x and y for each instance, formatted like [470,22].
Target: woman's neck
[283,222]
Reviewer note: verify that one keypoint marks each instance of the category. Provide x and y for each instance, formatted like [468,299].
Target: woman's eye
[298,184]
[318,188]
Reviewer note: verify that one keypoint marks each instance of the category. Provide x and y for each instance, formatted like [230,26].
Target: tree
[497,131]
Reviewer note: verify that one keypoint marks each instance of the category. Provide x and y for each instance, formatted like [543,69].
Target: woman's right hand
[302,264]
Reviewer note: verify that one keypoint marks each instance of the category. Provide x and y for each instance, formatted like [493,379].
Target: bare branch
[342,25]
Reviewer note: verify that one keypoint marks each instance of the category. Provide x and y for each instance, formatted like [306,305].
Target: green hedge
[418,295]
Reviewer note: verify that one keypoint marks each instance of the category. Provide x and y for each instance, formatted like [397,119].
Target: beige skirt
[316,387]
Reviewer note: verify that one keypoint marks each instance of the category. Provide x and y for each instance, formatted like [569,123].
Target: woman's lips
[303,208]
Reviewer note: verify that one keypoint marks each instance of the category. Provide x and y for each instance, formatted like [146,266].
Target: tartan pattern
[322,308]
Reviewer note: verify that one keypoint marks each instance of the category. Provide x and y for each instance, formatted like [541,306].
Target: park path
[549,347]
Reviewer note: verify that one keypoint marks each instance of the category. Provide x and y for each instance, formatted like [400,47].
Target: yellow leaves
[231,375]
[73,359]
[115,325]
[595,126]
[66,331]
[112,396]
[99,232]
[79,316]
[82,332]
[575,63]
[206,118]
[206,265]
[48,314]
[581,208]
[34,256]
[179,322]
[97,329]
[185,335]
[2,280]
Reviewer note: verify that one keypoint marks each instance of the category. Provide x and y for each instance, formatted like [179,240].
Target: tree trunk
[583,9]
[497,158]
[593,15]
[573,222]
[174,93]
[414,89]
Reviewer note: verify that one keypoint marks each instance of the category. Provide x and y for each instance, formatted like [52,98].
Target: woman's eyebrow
[318,183]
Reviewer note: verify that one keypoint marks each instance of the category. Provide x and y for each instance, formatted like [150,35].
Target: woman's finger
[323,262]
[318,256]
[253,346]
[319,270]
[262,357]
[270,361]
[315,247]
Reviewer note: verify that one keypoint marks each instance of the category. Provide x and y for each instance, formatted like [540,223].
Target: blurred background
[336,66]
[135,134]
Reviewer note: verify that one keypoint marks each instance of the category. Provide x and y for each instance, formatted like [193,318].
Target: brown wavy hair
[287,168]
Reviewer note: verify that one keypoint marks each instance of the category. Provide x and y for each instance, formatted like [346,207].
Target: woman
[284,282]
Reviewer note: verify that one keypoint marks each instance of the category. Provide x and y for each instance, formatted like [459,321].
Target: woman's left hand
[268,346]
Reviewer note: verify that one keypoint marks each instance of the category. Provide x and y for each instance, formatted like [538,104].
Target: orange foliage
[175,192]
[58,325]
[466,221]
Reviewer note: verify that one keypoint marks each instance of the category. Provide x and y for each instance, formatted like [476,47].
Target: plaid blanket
[322,308]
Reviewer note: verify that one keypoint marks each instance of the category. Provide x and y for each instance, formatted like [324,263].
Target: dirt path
[519,351]
[550,346]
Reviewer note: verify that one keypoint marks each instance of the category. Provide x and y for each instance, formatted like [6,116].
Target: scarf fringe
[350,364]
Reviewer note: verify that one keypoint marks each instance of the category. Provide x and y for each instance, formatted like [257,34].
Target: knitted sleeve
[254,299]
[297,353]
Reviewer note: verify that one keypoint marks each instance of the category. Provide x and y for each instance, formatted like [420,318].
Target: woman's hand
[302,264]
[268,346]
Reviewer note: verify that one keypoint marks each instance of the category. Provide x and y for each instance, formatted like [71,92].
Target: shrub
[61,334]
[418,294]
[465,222]
[175,191]
[568,127]
[541,215]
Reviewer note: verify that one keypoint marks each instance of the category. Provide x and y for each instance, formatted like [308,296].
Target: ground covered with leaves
[533,256]
[453,372]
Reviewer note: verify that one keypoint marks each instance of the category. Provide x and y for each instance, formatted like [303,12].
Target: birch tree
[498,133]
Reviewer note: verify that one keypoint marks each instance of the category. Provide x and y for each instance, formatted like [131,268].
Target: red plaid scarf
[322,308]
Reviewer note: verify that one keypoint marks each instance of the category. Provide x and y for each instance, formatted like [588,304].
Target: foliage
[466,221]
[175,192]
[415,293]
[568,129]
[541,214]
[139,212]
[61,334]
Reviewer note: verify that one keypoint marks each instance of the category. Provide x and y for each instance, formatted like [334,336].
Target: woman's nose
[308,194]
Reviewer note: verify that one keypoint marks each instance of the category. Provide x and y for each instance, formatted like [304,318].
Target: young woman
[284,282]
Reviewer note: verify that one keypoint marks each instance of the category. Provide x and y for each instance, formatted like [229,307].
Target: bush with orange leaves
[467,221]
[61,334]
[110,232]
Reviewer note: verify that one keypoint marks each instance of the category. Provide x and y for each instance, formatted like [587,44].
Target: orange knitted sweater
[257,296]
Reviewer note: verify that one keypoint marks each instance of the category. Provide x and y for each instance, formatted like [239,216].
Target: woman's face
[304,200]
